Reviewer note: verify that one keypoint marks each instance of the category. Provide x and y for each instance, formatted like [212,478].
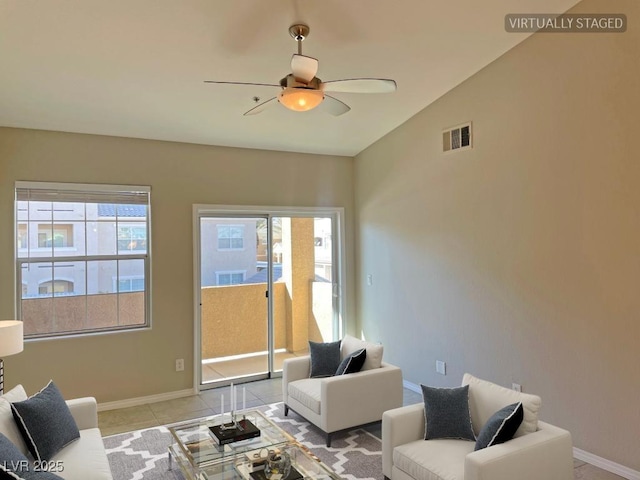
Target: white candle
[235,398]
[222,407]
[231,400]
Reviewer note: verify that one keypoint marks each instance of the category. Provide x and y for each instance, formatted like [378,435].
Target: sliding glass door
[267,283]
[233,312]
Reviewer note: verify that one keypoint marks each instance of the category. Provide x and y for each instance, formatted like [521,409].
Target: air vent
[457,138]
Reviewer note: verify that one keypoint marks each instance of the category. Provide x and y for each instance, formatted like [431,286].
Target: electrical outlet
[179,364]
[516,386]
[441,367]
[369,280]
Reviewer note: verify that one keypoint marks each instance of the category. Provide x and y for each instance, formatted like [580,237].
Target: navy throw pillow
[446,413]
[501,427]
[45,422]
[325,358]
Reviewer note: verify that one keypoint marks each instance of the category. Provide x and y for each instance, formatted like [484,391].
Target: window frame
[87,194]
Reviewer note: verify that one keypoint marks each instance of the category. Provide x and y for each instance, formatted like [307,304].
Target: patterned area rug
[142,455]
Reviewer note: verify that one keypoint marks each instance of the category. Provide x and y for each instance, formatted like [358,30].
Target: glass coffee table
[200,457]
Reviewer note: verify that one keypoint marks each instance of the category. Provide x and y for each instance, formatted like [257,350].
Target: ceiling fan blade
[304,68]
[361,85]
[259,108]
[245,83]
[334,106]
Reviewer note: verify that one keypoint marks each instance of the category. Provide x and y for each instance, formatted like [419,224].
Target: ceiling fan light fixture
[300,99]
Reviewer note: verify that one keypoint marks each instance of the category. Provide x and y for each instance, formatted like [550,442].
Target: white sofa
[340,402]
[545,453]
[83,459]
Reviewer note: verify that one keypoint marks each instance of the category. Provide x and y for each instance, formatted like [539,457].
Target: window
[132,284]
[55,286]
[82,257]
[229,278]
[230,237]
[22,235]
[132,237]
[55,235]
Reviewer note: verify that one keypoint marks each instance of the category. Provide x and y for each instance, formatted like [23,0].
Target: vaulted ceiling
[136,68]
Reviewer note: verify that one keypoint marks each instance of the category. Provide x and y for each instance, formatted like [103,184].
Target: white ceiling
[135,68]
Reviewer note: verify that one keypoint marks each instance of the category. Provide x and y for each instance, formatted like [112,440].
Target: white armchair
[340,402]
[543,454]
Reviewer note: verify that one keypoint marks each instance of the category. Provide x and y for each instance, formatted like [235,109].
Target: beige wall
[519,260]
[128,365]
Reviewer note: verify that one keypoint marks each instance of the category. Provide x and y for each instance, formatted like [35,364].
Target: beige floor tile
[171,417]
[123,428]
[589,472]
[125,416]
[178,406]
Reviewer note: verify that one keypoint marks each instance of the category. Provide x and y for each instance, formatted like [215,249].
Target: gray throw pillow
[14,465]
[325,358]
[352,363]
[446,413]
[45,422]
[501,427]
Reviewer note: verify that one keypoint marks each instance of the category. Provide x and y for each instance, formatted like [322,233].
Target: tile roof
[109,210]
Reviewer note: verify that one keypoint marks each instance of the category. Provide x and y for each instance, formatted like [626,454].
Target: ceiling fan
[301,90]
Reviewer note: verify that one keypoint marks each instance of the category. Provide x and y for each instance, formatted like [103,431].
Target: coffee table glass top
[195,441]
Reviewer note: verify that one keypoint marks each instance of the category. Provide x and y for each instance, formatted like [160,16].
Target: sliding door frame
[269,212]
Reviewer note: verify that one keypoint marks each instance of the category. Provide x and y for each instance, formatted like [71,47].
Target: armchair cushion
[308,392]
[374,351]
[441,459]
[325,358]
[447,413]
[45,422]
[353,363]
[501,427]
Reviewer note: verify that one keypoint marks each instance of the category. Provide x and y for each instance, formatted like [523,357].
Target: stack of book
[229,433]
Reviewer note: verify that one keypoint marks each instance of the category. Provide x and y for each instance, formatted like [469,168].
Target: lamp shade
[10,337]
[300,99]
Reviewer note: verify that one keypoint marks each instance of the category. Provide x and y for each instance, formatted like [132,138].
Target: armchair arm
[546,453]
[399,426]
[341,397]
[293,369]
[84,411]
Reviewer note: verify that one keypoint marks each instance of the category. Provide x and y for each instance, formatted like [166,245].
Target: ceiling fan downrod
[299,32]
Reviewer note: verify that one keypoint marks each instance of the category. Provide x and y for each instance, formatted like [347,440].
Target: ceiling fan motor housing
[290,81]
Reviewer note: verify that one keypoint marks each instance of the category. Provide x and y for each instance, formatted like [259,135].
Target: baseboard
[411,386]
[134,402]
[605,464]
[590,458]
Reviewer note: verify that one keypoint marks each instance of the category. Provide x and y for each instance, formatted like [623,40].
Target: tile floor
[257,393]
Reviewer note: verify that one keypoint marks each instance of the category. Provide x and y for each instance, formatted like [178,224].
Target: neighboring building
[234,250]
[67,230]
[228,251]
